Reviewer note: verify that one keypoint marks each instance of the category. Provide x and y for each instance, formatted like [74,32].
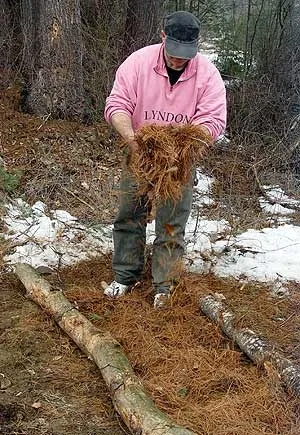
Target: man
[167,83]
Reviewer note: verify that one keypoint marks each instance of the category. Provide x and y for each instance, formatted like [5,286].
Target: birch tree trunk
[128,395]
[259,350]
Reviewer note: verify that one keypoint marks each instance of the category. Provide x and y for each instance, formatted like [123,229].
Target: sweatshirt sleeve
[211,106]
[123,94]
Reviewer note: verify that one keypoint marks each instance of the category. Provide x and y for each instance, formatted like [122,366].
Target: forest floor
[191,371]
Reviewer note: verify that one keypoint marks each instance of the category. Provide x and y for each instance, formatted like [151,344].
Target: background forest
[64,54]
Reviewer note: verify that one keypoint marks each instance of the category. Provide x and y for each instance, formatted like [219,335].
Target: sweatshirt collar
[160,67]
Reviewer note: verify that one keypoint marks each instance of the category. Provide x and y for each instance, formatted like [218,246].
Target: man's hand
[206,131]
[133,146]
[123,125]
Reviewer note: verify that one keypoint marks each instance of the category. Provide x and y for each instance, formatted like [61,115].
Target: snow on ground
[277,202]
[43,237]
[51,238]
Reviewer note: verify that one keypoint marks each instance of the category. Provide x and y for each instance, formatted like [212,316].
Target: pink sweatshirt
[143,91]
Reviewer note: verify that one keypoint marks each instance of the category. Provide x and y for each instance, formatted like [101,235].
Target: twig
[78,198]
[44,121]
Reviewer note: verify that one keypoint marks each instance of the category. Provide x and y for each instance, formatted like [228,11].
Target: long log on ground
[129,397]
[258,349]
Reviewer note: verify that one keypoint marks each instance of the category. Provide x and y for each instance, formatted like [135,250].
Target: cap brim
[182,50]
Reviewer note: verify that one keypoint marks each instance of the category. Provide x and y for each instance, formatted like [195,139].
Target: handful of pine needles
[166,158]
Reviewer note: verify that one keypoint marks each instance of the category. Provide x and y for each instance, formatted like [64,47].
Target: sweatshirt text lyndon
[157,115]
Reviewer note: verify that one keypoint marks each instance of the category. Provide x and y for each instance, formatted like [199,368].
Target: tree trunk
[128,395]
[5,30]
[142,24]
[54,50]
[259,350]
[10,39]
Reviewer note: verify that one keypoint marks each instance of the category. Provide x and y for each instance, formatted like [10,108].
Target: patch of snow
[275,193]
[276,202]
[202,190]
[51,239]
[267,255]
[203,183]
[274,209]
[208,50]
[45,237]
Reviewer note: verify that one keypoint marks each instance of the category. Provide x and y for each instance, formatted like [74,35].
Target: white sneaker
[115,289]
[161,300]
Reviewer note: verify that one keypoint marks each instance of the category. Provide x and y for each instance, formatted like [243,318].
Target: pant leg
[168,247]
[129,233]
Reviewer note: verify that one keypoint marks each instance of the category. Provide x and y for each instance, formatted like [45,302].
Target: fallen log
[258,349]
[289,204]
[129,397]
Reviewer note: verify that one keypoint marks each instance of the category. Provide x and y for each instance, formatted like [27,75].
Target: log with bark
[129,397]
[258,349]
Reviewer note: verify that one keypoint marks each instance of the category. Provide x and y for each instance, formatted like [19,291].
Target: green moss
[9,181]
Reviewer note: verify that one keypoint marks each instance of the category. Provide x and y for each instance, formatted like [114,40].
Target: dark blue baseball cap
[182,33]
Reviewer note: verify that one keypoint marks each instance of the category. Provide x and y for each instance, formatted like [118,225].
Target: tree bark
[53,54]
[128,395]
[142,24]
[258,349]
[10,39]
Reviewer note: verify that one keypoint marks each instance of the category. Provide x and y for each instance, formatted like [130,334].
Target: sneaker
[161,300]
[115,289]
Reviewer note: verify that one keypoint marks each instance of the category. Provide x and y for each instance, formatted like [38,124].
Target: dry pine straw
[166,158]
[45,366]
[190,370]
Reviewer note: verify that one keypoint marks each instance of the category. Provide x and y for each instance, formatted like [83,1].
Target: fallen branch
[78,198]
[258,349]
[291,205]
[128,395]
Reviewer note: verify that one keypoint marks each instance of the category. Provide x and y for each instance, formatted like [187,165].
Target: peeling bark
[129,397]
[258,349]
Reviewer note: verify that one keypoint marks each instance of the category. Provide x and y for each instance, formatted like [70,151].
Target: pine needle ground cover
[189,368]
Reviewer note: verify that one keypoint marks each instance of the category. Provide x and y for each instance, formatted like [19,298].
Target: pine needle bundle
[166,158]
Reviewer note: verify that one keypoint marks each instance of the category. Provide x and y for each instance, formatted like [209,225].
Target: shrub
[8,181]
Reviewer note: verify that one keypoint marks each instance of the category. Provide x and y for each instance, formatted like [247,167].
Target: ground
[191,371]
[52,387]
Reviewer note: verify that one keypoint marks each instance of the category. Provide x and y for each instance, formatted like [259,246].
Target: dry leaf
[170,230]
[4,383]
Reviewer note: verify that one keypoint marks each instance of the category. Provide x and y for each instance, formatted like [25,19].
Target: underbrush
[241,170]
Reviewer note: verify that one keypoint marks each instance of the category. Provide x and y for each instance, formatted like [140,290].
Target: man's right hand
[123,125]
[133,146]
